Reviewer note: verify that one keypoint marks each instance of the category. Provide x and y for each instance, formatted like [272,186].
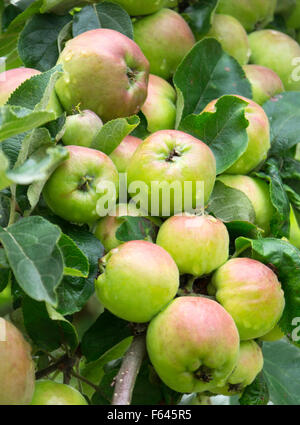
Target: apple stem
[125,379]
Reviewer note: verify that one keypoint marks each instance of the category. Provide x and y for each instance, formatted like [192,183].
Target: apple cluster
[204,342]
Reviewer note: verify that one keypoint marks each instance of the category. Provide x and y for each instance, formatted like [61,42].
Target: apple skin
[252,295]
[274,335]
[80,129]
[104,71]
[294,237]
[193,344]
[16,367]
[168,156]
[277,51]
[250,13]
[50,393]
[249,365]
[165,38]
[258,132]
[265,83]
[140,279]
[10,80]
[258,192]
[198,244]
[70,192]
[232,37]
[122,154]
[138,7]
[160,106]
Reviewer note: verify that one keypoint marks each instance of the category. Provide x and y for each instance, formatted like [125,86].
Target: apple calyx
[84,184]
[203,374]
[172,154]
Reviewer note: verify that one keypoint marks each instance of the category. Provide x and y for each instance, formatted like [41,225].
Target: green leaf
[199,16]
[224,131]
[37,44]
[136,228]
[283,112]
[76,263]
[4,209]
[3,260]
[103,15]
[113,132]
[207,73]
[286,260]
[257,393]
[47,328]
[37,263]
[281,370]
[21,18]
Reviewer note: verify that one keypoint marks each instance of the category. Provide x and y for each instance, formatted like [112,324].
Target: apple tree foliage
[51,265]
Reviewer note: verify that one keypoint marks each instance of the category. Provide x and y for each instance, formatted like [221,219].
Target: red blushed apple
[124,151]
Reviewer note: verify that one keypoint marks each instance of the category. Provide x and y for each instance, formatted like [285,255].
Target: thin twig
[52,368]
[125,380]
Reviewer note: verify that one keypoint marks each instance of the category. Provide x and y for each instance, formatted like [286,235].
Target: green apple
[5,301]
[12,79]
[140,278]
[258,192]
[232,37]
[198,244]
[252,295]
[193,344]
[294,237]
[165,38]
[284,5]
[146,7]
[72,191]
[265,83]
[171,158]
[274,335]
[122,154]
[249,365]
[104,71]
[250,13]
[80,129]
[16,366]
[279,52]
[50,393]
[292,16]
[258,132]
[160,106]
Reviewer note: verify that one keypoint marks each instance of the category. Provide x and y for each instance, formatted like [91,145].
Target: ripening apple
[138,7]
[265,83]
[140,278]
[258,192]
[258,132]
[249,365]
[165,38]
[252,295]
[50,393]
[16,366]
[71,191]
[81,128]
[193,344]
[198,244]
[250,13]
[104,71]
[122,154]
[160,105]
[279,52]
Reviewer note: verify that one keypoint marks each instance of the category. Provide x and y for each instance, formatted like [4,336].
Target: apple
[250,13]
[265,83]
[198,244]
[6,301]
[258,192]
[71,191]
[232,37]
[104,71]
[80,129]
[274,335]
[193,344]
[171,157]
[138,7]
[279,52]
[12,79]
[140,278]
[251,293]
[249,365]
[294,237]
[258,132]
[165,38]
[292,15]
[160,105]
[122,154]
[50,393]
[16,366]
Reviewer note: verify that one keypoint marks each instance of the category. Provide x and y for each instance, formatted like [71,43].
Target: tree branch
[125,380]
